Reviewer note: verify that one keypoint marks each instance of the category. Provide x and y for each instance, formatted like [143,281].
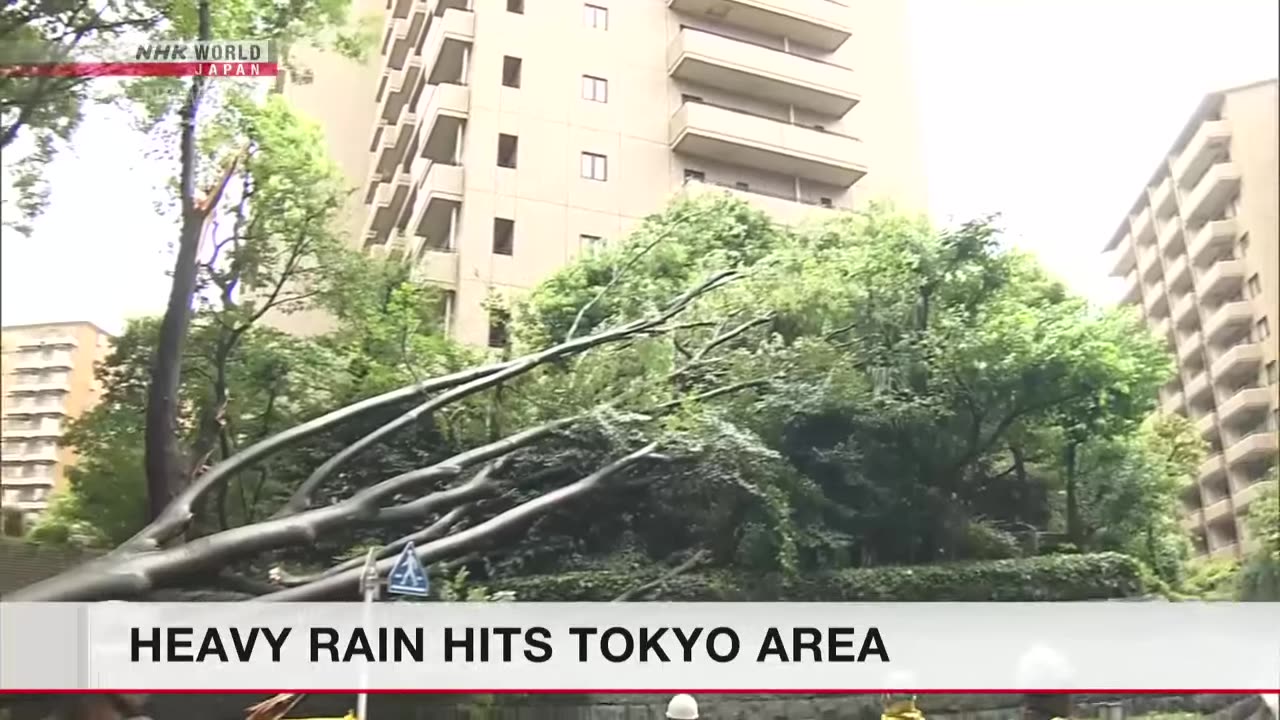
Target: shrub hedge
[1058,577]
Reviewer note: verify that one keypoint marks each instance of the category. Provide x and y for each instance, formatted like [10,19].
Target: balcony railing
[820,24]
[749,139]
[756,70]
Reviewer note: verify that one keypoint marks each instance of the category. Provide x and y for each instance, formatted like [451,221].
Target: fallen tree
[161,556]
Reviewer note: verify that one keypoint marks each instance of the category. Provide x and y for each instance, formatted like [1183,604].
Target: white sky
[1051,112]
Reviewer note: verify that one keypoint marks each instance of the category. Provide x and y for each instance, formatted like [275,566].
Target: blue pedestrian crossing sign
[407,576]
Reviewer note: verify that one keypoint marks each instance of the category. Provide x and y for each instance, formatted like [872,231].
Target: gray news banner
[621,647]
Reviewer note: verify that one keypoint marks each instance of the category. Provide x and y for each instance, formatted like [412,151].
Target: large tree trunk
[165,466]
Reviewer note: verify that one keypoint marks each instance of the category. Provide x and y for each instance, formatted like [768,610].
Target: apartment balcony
[1188,346]
[1198,388]
[38,481]
[27,505]
[33,361]
[52,341]
[1211,468]
[1241,361]
[1248,404]
[1228,321]
[745,68]
[740,138]
[438,266]
[1177,273]
[1184,310]
[405,31]
[48,428]
[398,90]
[1217,510]
[1248,494]
[1148,265]
[1162,199]
[385,209]
[1207,424]
[820,24]
[1225,277]
[1169,231]
[439,198]
[1211,240]
[1163,329]
[1156,302]
[49,385]
[1210,142]
[1251,449]
[1132,289]
[44,454]
[1211,195]
[446,113]
[1124,258]
[1173,403]
[1192,520]
[390,143]
[1144,230]
[448,46]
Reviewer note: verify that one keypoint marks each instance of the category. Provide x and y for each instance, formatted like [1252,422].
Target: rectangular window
[504,236]
[1255,285]
[826,202]
[694,176]
[515,6]
[595,89]
[594,16]
[498,328]
[1264,329]
[511,71]
[590,243]
[508,147]
[595,167]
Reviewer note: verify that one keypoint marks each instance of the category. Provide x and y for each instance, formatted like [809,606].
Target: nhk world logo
[227,58]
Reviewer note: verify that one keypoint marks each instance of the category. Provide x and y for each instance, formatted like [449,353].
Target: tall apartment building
[494,140]
[1198,251]
[46,378]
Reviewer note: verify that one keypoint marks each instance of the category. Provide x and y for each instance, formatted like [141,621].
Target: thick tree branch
[698,558]
[458,543]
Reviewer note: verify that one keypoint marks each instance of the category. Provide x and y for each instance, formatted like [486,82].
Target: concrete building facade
[47,378]
[492,141]
[1199,254]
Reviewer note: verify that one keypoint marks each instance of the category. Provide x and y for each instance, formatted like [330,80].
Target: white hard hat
[682,707]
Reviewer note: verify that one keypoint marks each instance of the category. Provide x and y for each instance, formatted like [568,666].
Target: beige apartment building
[492,141]
[1198,251]
[46,378]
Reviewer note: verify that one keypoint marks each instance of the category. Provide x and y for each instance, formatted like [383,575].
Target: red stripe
[141,69]
[660,691]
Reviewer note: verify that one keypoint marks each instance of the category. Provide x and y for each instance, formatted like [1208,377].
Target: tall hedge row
[1056,577]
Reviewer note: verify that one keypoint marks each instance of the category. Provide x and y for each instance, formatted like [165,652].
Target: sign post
[370,584]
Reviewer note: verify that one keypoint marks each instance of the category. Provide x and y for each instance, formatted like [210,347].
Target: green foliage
[1212,579]
[1260,572]
[1062,578]
[1130,489]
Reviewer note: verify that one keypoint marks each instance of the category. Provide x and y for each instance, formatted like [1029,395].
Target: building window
[1255,285]
[508,146]
[1263,328]
[511,71]
[595,167]
[826,202]
[595,89]
[694,176]
[594,16]
[498,328]
[504,236]
[590,243]
[515,6]
[445,309]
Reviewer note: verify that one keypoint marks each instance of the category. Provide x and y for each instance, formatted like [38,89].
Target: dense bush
[1064,577]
